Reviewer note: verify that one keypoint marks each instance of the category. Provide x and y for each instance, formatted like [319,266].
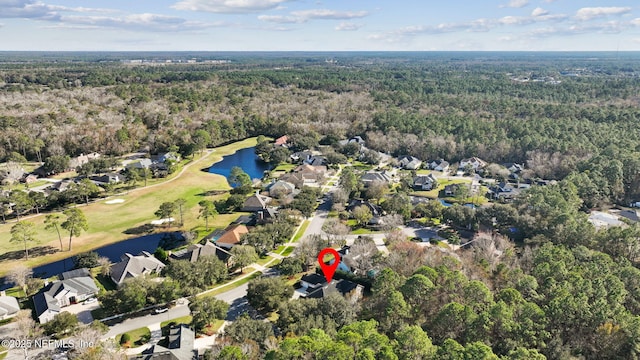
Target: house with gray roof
[439,165]
[197,251]
[369,177]
[9,307]
[132,266]
[281,188]
[56,295]
[409,162]
[180,346]
[424,182]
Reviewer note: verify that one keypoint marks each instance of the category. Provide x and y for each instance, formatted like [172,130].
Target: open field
[108,222]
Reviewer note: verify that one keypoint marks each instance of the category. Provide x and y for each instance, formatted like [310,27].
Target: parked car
[90,301]
[161,310]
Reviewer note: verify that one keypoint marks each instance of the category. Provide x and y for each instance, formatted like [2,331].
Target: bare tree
[89,345]
[19,275]
[394,236]
[361,254]
[105,266]
[26,330]
[309,248]
[336,230]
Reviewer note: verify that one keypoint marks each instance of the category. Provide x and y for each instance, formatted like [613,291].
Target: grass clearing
[139,337]
[107,223]
[263,260]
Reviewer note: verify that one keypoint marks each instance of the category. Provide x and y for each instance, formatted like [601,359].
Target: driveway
[82,312]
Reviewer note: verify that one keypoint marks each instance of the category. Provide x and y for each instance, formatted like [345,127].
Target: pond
[246,159]
[112,252]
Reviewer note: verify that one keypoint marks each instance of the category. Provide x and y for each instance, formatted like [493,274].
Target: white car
[90,301]
[160,310]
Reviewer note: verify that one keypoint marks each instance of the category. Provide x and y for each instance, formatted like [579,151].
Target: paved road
[144,321]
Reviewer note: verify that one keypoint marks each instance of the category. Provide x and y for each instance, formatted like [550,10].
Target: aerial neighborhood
[305,207]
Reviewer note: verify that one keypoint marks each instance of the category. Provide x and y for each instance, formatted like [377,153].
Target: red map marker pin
[329,270]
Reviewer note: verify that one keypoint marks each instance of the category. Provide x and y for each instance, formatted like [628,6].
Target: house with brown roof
[281,141]
[233,236]
[256,202]
[311,173]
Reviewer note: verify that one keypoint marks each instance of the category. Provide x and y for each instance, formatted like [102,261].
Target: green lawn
[301,231]
[139,337]
[235,284]
[364,231]
[108,222]
[164,326]
[285,167]
[287,251]
[263,260]
[16,292]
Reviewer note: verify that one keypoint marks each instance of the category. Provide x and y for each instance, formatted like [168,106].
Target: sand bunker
[162,221]
[114,201]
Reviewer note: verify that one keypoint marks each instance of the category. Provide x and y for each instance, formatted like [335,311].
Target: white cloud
[515,20]
[347,26]
[329,14]
[145,21]
[635,22]
[280,19]
[539,12]
[228,6]
[303,16]
[516,4]
[589,13]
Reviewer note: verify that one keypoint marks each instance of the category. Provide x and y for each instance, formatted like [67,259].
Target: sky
[320,25]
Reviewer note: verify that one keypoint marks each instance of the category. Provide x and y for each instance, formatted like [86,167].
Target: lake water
[113,252]
[246,159]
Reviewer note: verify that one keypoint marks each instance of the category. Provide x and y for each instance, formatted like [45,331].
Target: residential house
[82,159]
[473,162]
[514,168]
[311,174]
[180,346]
[267,215]
[371,176]
[424,182]
[301,156]
[108,178]
[132,266]
[315,286]
[166,156]
[83,272]
[439,165]
[60,186]
[376,210]
[316,160]
[9,307]
[503,191]
[450,190]
[603,220]
[29,178]
[281,188]
[282,141]
[293,178]
[232,236]
[356,139]
[256,202]
[196,251]
[409,162]
[56,295]
[140,164]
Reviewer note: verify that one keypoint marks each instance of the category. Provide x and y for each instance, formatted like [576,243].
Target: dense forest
[556,288]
